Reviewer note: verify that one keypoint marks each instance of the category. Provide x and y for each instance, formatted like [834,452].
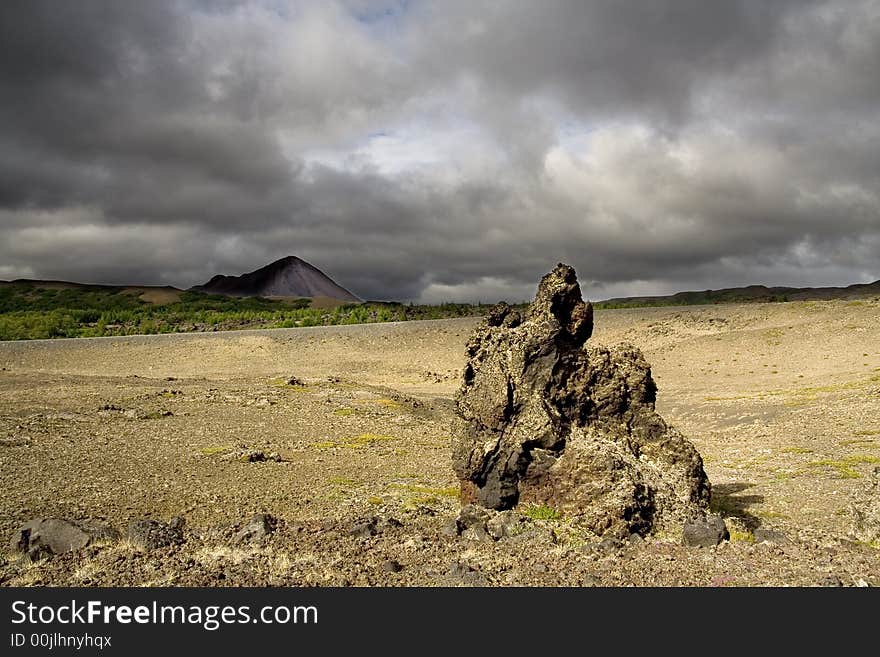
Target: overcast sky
[442,150]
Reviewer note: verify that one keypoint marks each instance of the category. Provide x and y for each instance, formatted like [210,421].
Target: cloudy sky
[442,150]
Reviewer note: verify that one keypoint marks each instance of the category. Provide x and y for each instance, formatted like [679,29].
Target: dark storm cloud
[442,150]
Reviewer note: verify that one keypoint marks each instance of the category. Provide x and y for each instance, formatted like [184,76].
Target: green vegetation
[448,491]
[28,312]
[355,442]
[418,495]
[741,536]
[342,481]
[845,466]
[542,512]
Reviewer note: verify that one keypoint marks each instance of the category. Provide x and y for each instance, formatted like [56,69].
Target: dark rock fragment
[704,532]
[148,535]
[258,527]
[43,537]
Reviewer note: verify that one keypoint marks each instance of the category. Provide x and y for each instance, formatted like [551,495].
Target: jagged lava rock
[147,535]
[48,536]
[542,419]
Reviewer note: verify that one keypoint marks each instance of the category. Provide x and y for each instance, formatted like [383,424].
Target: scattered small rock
[504,524]
[364,528]
[770,536]
[246,455]
[391,566]
[15,441]
[865,511]
[450,529]
[389,523]
[475,534]
[471,523]
[459,569]
[256,529]
[609,545]
[148,535]
[465,574]
[704,532]
[294,381]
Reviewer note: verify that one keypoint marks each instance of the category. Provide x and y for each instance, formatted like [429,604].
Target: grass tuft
[541,512]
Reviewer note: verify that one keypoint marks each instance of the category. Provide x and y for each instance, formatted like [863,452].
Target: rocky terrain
[324,457]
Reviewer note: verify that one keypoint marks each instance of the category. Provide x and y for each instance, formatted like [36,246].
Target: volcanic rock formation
[542,419]
[287,277]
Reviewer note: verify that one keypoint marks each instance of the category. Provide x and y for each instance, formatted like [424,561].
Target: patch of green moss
[743,537]
[449,491]
[541,512]
[860,442]
[343,412]
[844,467]
[356,442]
[324,444]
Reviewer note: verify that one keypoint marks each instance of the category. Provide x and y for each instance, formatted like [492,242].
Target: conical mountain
[287,277]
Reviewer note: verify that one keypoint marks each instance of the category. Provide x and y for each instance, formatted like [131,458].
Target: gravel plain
[353,458]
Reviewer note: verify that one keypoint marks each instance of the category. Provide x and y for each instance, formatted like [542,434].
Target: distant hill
[157,294]
[750,294]
[287,277]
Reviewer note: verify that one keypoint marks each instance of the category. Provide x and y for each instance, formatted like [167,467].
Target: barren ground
[782,400]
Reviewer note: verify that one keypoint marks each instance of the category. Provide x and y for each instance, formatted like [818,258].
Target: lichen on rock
[543,419]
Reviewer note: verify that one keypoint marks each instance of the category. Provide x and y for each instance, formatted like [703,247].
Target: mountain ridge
[749,294]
